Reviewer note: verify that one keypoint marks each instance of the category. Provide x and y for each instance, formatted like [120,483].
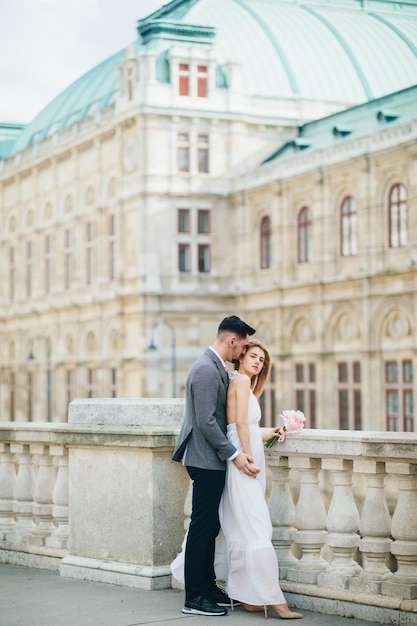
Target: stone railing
[343,506]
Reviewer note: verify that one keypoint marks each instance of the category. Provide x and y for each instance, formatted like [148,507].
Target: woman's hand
[275,432]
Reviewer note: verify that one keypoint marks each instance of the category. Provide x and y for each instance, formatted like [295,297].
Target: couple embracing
[221,446]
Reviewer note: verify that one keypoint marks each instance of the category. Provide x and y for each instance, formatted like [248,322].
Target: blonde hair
[258,381]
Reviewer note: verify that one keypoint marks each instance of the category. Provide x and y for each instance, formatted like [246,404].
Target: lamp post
[31,357]
[152,346]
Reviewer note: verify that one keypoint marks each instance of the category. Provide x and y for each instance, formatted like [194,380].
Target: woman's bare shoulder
[239,382]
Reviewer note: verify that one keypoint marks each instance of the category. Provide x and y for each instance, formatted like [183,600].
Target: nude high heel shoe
[255,607]
[284,612]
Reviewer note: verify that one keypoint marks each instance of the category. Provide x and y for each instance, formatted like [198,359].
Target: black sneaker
[220,597]
[203,606]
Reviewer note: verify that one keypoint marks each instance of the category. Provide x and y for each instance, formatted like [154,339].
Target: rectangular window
[203,258]
[29,387]
[184,264]
[29,268]
[203,222]
[392,411]
[113,382]
[399,396]
[202,81]
[12,397]
[70,385]
[391,372]
[184,79]
[49,262]
[111,243]
[203,154]
[91,390]
[305,391]
[68,258]
[183,152]
[299,373]
[343,410]
[90,253]
[183,220]
[12,273]
[349,395]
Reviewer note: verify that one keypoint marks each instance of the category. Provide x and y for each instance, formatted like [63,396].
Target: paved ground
[36,597]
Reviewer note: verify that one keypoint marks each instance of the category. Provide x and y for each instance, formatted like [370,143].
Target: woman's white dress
[245,557]
[252,565]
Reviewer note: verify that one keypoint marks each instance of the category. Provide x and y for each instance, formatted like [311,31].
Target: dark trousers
[204,527]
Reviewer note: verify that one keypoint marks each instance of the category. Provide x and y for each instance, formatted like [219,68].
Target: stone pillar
[7,485]
[282,509]
[310,521]
[342,526]
[375,530]
[126,494]
[404,530]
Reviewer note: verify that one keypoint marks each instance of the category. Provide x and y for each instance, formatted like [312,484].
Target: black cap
[234,324]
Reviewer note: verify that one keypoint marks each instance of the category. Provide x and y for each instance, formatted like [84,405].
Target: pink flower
[293,423]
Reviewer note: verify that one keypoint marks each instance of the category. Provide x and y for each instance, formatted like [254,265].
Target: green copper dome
[340,51]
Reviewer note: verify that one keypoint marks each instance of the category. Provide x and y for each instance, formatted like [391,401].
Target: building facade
[219,165]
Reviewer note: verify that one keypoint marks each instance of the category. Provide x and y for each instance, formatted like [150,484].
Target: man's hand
[245,464]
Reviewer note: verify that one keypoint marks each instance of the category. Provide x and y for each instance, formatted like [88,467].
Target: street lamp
[31,357]
[152,346]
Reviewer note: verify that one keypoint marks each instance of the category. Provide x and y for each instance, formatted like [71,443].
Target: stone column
[282,509]
[342,526]
[404,530]
[310,521]
[7,485]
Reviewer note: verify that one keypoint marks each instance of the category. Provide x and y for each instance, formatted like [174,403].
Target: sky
[47,44]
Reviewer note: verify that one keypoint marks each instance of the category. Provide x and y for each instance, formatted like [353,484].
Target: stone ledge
[127,574]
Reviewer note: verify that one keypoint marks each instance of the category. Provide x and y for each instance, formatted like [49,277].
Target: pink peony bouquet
[293,423]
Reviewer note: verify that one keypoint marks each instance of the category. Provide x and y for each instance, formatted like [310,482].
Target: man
[204,449]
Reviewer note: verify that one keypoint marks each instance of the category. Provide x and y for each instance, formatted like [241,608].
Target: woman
[252,566]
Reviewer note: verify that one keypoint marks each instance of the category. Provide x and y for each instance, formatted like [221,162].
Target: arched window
[348,227]
[265,242]
[304,227]
[397,216]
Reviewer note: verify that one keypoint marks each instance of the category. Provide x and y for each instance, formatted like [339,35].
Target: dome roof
[340,51]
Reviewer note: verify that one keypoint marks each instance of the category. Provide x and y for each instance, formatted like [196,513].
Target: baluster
[7,485]
[342,526]
[403,583]
[310,521]
[59,537]
[282,510]
[23,496]
[42,496]
[375,529]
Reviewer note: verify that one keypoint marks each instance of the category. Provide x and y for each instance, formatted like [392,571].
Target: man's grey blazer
[203,430]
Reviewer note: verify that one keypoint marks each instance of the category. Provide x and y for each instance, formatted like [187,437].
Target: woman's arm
[242,390]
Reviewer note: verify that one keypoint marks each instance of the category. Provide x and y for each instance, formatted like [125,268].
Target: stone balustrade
[99,498]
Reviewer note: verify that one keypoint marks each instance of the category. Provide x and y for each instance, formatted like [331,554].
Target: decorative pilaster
[310,520]
[59,537]
[375,530]
[7,485]
[282,510]
[403,583]
[342,526]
